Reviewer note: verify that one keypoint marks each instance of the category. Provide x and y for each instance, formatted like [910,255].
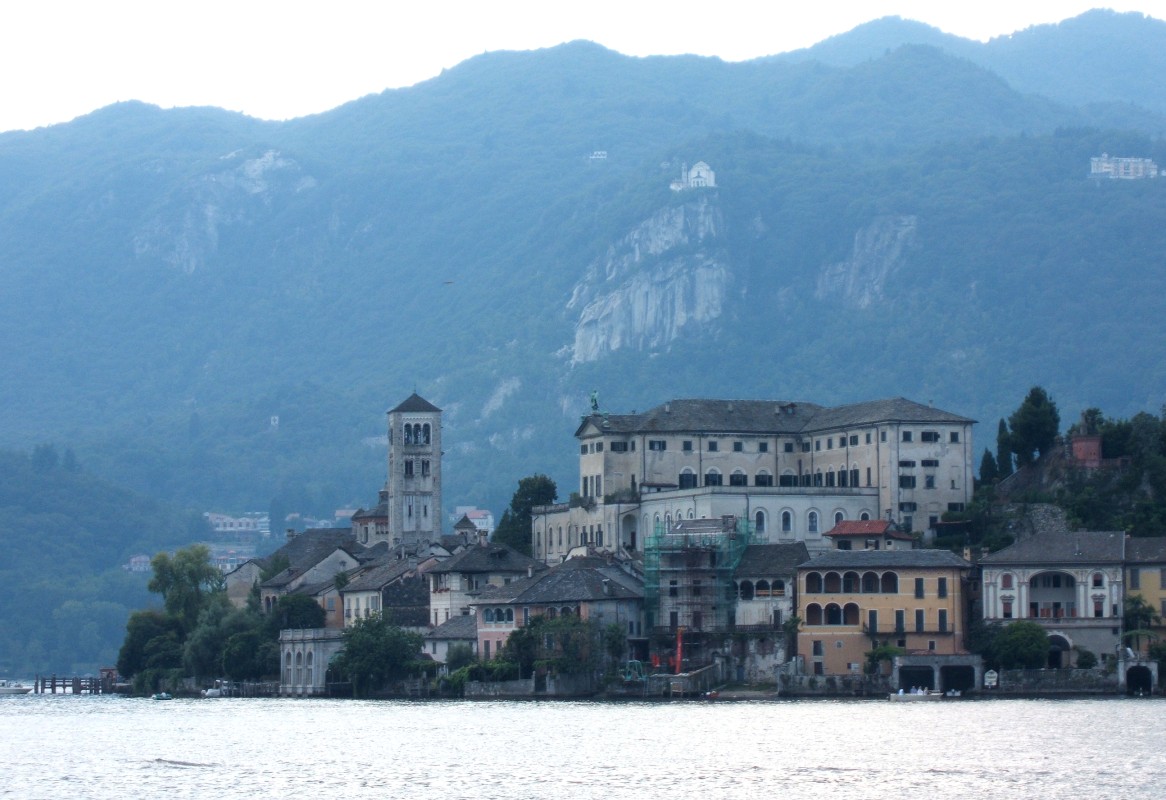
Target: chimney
[607,587]
[530,570]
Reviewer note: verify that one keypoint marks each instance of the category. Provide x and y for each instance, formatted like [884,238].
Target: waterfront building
[851,601]
[1068,582]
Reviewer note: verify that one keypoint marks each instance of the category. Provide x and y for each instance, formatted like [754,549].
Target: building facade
[851,601]
[794,470]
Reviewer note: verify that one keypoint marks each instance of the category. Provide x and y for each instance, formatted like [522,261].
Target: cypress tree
[1003,451]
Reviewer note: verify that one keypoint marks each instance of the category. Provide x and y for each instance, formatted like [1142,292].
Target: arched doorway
[1139,680]
[1059,651]
[916,676]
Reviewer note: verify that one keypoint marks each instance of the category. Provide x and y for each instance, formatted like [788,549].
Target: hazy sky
[64,58]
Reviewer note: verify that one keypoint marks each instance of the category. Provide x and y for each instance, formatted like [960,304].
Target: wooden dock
[52,684]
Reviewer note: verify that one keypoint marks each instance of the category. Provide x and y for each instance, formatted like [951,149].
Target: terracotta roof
[415,402]
[1064,547]
[868,527]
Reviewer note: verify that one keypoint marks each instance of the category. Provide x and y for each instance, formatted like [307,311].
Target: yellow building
[851,601]
[1145,575]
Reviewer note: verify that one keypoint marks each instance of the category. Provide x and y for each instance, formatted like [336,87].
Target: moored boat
[911,697]
[8,687]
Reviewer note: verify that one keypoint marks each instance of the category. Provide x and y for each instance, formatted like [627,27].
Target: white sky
[272,59]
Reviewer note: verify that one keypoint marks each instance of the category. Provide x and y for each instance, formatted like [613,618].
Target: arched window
[832,583]
[763,588]
[838,517]
[851,583]
[787,521]
[814,583]
[759,521]
[488,615]
[690,513]
[779,588]
[850,614]
[712,478]
[864,516]
[746,590]
[510,615]
[425,433]
[870,583]
[1098,580]
[551,613]
[308,672]
[565,611]
[1006,580]
[889,583]
[812,521]
[813,614]
[738,478]
[833,614]
[408,437]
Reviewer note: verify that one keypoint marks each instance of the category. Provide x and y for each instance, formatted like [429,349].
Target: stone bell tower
[414,474]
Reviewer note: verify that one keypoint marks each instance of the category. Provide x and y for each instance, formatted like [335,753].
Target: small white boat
[909,697]
[8,687]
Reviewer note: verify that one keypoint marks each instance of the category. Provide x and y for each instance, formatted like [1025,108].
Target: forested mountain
[912,222]
[66,535]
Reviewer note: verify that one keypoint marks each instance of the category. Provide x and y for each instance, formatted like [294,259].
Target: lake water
[108,747]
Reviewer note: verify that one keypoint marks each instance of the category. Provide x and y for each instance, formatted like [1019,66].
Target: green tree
[1021,644]
[296,611]
[186,582]
[376,653]
[1138,617]
[881,653]
[458,656]
[988,472]
[143,628]
[516,526]
[1034,426]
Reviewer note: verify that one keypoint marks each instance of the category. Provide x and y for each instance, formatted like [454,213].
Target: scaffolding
[688,574]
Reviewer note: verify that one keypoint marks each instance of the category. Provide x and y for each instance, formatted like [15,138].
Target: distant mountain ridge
[218,310]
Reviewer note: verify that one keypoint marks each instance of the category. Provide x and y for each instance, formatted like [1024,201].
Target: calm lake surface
[106,747]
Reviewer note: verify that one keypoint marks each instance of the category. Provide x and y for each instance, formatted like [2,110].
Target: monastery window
[806,446]
[864,516]
[818,478]
[778,589]
[833,614]
[929,436]
[814,583]
[712,478]
[599,447]
[928,481]
[582,449]
[759,522]
[746,590]
[868,476]
[1098,580]
[619,447]
[1135,578]
[1098,607]
[738,447]
[763,447]
[942,590]
[955,437]
[788,447]
[424,469]
[657,444]
[930,462]
[686,479]
[850,616]
[787,521]
[713,446]
[882,436]
[906,462]
[488,615]
[851,583]
[867,438]
[813,614]
[1006,580]
[763,588]
[906,481]
[673,588]
[510,615]
[854,477]
[955,507]
[889,583]
[812,520]
[830,477]
[854,440]
[1006,609]
[838,517]
[738,478]
[763,478]
[817,444]
[832,583]
[830,443]
[409,468]
[907,436]
[686,445]
[908,506]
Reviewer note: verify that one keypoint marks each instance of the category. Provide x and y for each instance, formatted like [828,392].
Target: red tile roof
[867,527]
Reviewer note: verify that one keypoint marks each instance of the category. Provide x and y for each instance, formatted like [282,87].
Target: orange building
[851,601]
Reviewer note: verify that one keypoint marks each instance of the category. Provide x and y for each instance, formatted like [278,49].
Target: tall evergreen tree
[988,471]
[516,527]
[1034,426]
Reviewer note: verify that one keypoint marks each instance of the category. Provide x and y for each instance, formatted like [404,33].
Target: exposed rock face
[879,250]
[668,274]
[186,233]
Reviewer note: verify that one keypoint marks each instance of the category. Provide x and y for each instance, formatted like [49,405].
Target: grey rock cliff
[668,275]
[879,250]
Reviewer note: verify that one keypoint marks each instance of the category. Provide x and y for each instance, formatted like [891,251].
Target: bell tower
[414,472]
